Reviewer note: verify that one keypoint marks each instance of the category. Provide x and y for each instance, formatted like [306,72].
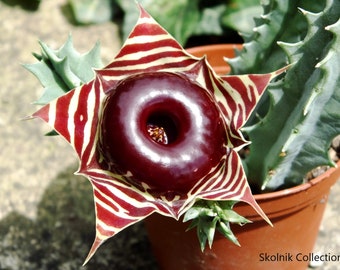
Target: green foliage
[240,15]
[91,11]
[62,70]
[294,135]
[182,18]
[208,216]
[292,127]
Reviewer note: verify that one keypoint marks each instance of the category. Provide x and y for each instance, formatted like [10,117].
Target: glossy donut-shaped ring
[161,131]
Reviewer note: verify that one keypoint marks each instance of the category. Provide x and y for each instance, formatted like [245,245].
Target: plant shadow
[29,5]
[62,234]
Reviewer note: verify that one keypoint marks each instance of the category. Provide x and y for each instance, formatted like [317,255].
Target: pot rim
[216,54]
[277,204]
[299,188]
[214,47]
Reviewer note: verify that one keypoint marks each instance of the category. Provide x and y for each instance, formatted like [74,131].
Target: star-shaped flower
[157,130]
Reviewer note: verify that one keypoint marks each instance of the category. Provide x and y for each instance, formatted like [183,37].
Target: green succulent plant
[291,128]
[292,135]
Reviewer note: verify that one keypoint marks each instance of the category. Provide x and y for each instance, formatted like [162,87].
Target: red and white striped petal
[76,116]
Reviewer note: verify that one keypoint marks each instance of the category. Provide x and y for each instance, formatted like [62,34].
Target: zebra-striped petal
[77,116]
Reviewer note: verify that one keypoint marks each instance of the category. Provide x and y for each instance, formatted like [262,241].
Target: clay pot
[296,214]
[215,55]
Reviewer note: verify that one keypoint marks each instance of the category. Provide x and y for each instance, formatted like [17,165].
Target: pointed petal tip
[96,244]
[42,113]
[252,202]
[261,213]
[143,12]
[281,70]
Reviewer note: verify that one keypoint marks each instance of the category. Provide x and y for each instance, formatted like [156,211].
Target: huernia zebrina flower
[156,130]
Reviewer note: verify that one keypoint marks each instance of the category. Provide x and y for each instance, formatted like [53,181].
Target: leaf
[179,18]
[210,21]
[294,136]
[53,85]
[240,15]
[210,229]
[233,217]
[91,11]
[207,216]
[224,228]
[199,209]
[192,213]
[62,70]
[307,145]
[260,52]
[52,133]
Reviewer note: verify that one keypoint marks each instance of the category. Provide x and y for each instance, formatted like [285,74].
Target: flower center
[161,130]
[157,134]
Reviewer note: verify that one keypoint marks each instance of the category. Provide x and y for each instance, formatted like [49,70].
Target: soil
[334,153]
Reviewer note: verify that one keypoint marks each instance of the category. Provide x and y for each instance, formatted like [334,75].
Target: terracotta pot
[215,55]
[296,214]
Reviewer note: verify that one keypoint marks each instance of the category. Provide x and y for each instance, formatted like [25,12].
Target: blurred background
[47,213]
